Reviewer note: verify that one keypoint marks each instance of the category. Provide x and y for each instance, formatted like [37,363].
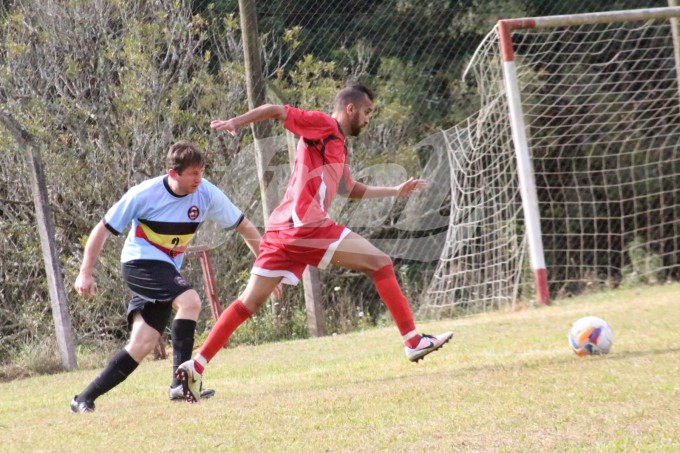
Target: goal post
[525,170]
[519,135]
[573,159]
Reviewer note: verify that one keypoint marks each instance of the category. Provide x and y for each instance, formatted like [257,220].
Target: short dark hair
[352,93]
[183,155]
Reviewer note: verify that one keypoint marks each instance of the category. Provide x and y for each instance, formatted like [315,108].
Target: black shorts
[154,285]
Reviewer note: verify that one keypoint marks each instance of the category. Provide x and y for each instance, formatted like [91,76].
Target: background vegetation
[106,87]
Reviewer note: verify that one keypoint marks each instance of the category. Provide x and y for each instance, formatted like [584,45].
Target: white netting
[480,264]
[603,123]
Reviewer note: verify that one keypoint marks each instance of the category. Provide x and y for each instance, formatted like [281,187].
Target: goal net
[599,96]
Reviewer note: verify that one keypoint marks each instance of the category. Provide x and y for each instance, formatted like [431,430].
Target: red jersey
[320,172]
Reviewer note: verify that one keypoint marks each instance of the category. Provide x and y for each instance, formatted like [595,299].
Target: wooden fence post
[55,279]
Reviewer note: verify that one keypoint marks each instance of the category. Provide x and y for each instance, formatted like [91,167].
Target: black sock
[118,369]
[182,344]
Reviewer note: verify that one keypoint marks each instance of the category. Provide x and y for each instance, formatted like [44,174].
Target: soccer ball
[591,335]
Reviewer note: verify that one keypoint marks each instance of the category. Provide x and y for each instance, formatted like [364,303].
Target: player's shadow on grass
[616,355]
[519,364]
[563,359]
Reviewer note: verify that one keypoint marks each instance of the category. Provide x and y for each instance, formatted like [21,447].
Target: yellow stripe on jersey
[172,244]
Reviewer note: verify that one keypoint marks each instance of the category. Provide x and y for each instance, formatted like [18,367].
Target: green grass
[507,382]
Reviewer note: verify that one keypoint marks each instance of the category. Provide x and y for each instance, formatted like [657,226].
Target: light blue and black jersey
[164,223]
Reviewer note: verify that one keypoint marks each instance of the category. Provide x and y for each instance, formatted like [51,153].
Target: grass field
[507,382]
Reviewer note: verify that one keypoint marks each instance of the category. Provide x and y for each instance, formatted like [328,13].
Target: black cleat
[81,406]
[177,393]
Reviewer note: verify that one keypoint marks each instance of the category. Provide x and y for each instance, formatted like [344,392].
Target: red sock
[229,320]
[386,283]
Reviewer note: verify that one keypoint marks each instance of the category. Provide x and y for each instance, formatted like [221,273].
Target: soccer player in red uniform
[300,233]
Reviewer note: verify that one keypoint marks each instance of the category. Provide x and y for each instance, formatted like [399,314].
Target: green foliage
[311,84]
[270,325]
[482,16]
[347,309]
[645,266]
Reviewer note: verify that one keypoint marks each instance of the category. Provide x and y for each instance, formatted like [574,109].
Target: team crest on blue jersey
[180,281]
[193,212]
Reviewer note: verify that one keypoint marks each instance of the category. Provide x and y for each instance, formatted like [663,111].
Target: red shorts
[286,253]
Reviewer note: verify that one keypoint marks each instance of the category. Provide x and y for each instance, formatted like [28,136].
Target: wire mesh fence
[106,86]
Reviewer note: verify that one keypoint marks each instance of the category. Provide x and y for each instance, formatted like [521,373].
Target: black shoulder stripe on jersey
[170,228]
[316,143]
[111,229]
[238,222]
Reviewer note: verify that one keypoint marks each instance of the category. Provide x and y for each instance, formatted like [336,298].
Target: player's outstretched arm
[250,235]
[261,113]
[406,189]
[85,284]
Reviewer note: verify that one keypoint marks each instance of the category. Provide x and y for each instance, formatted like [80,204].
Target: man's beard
[355,129]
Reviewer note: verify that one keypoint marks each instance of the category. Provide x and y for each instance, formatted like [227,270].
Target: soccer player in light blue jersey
[164,213]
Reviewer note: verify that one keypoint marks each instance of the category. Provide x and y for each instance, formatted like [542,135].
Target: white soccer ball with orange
[591,335]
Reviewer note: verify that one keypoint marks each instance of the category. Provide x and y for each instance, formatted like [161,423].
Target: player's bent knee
[138,348]
[188,302]
[258,291]
[193,303]
[252,304]
[376,263]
